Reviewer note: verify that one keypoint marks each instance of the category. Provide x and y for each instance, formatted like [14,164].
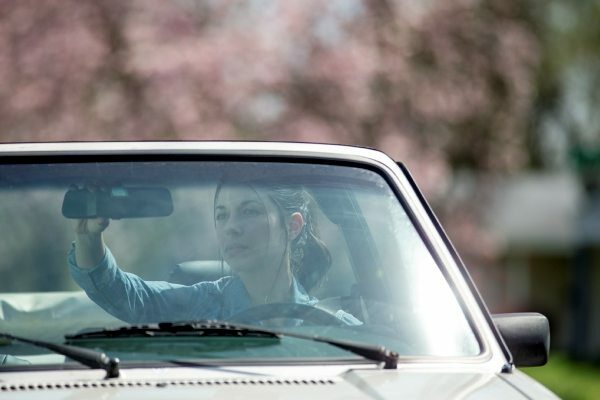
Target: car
[240,270]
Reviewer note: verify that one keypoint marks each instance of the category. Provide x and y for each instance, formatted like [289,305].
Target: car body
[412,322]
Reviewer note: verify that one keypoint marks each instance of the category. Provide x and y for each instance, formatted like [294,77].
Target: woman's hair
[309,257]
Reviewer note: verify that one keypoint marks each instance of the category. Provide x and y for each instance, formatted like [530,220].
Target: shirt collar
[239,299]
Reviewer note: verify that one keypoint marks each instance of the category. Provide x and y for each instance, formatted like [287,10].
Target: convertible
[224,269]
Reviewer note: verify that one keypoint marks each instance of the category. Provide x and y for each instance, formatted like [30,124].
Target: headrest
[191,272]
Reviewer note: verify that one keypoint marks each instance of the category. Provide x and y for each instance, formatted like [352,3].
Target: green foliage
[570,380]
[568,82]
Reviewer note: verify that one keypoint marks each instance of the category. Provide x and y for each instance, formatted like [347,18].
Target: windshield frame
[397,176]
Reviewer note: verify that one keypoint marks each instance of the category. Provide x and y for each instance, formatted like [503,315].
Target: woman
[265,234]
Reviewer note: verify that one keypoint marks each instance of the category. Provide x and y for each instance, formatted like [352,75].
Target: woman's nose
[233,227]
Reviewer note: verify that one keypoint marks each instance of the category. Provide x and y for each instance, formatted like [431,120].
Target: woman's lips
[234,249]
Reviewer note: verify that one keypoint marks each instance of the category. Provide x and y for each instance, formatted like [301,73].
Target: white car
[240,270]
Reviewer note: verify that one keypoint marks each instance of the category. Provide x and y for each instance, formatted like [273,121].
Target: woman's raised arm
[89,242]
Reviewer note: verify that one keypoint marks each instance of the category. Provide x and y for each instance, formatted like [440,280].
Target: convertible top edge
[193,147]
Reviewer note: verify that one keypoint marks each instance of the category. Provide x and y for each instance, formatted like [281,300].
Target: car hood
[272,383]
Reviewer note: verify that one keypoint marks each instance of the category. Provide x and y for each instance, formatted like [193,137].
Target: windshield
[297,247]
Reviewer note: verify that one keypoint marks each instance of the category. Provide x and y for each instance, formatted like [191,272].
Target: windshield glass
[297,247]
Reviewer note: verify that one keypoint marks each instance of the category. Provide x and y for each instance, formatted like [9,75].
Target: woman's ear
[295,225]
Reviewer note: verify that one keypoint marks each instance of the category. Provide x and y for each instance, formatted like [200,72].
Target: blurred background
[494,105]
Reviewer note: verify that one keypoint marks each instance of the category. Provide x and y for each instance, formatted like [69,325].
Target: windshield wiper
[199,328]
[90,358]
[388,357]
[218,328]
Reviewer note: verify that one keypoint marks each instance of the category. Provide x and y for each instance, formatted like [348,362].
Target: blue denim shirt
[131,299]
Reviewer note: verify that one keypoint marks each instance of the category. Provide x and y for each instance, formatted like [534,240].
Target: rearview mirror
[117,203]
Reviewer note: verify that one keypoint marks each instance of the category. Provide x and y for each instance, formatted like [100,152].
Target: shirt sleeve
[131,299]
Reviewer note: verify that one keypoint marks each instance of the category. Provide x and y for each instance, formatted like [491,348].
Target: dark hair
[309,257]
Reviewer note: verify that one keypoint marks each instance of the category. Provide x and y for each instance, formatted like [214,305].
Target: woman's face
[249,229]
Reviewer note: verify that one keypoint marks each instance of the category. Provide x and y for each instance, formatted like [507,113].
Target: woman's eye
[220,217]
[251,212]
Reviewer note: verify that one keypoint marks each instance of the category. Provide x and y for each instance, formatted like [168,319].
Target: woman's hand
[93,226]
[89,243]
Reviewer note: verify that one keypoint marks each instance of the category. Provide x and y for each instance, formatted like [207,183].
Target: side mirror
[117,202]
[527,336]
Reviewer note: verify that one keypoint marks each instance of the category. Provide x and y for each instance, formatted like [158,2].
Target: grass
[570,380]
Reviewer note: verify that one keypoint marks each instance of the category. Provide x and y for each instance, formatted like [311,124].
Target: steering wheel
[306,313]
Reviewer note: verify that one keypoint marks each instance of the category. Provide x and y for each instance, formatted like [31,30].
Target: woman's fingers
[91,226]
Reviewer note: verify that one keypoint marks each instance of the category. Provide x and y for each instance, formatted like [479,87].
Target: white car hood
[284,383]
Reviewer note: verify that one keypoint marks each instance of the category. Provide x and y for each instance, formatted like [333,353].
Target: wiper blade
[90,358]
[193,328]
[218,328]
[388,357]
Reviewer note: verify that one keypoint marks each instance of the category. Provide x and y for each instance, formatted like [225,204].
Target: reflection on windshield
[313,248]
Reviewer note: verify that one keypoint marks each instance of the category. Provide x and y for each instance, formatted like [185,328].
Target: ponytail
[309,256]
